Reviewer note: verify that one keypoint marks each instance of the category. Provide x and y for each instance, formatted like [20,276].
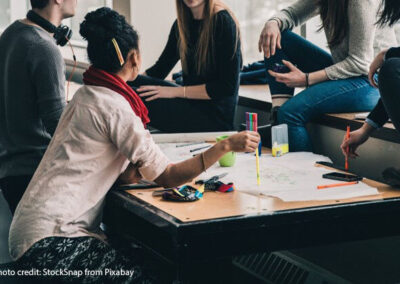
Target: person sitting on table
[101,136]
[388,64]
[32,97]
[206,39]
[335,82]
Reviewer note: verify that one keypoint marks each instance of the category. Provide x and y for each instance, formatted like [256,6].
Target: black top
[379,114]
[221,79]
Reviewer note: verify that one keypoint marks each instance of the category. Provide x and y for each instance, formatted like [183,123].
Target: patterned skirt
[81,260]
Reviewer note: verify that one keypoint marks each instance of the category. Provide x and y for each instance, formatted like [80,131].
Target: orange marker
[337,184]
[346,164]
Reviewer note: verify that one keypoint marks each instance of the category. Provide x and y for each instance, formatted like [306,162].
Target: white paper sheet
[189,137]
[292,177]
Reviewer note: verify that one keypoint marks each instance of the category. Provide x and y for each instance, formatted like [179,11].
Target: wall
[153,20]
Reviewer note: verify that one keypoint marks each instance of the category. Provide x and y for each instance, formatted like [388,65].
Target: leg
[13,188]
[146,80]
[350,95]
[96,261]
[307,56]
[180,115]
[389,87]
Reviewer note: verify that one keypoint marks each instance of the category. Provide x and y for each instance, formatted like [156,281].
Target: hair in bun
[99,28]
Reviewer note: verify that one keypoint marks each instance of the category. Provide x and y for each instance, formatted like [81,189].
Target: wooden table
[224,225]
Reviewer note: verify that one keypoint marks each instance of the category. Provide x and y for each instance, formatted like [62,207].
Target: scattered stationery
[337,184]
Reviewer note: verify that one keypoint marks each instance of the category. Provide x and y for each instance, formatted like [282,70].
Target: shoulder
[364,6]
[226,28]
[223,17]
[102,101]
[42,47]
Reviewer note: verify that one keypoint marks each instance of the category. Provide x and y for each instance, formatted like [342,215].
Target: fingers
[289,65]
[150,93]
[260,43]
[278,41]
[273,45]
[251,147]
[371,75]
[344,146]
[148,88]
[267,48]
[279,77]
[152,98]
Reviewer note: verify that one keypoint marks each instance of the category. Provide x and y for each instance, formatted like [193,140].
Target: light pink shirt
[98,134]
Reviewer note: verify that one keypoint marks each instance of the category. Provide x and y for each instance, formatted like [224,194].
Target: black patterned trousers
[81,260]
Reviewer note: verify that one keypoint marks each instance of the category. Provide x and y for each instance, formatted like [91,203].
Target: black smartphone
[342,177]
[280,68]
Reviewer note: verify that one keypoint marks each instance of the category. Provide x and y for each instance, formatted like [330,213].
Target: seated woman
[206,39]
[101,136]
[388,64]
[335,82]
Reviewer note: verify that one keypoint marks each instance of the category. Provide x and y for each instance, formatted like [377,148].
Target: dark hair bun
[101,25]
[99,28]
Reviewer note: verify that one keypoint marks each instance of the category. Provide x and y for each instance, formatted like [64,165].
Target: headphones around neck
[62,33]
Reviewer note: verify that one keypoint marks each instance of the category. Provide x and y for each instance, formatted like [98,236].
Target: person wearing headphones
[32,79]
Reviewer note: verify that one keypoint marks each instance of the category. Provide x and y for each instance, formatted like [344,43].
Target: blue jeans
[347,95]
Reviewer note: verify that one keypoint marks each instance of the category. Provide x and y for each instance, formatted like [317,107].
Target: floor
[5,220]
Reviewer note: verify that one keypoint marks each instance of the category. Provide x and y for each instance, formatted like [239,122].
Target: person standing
[32,79]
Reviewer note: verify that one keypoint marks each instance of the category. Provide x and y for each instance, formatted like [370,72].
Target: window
[83,8]
[4,13]
[11,10]
[252,15]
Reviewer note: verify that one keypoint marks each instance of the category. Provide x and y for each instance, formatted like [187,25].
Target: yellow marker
[258,167]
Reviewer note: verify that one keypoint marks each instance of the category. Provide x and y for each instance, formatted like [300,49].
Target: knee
[390,71]
[288,114]
[287,37]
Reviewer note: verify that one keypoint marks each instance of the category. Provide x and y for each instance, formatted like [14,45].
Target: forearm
[186,171]
[198,92]
[367,129]
[317,77]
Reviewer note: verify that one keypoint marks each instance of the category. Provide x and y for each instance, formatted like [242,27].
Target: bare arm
[186,171]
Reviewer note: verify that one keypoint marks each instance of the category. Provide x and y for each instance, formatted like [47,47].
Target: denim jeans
[348,95]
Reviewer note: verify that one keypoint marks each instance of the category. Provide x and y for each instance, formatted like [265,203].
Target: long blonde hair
[205,50]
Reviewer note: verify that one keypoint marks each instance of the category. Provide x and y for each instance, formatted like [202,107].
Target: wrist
[367,129]
[307,78]
[277,21]
[225,146]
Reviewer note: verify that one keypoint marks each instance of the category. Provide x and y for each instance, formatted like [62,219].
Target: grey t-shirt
[32,79]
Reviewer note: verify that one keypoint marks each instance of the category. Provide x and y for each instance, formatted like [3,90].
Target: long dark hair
[206,42]
[390,12]
[335,20]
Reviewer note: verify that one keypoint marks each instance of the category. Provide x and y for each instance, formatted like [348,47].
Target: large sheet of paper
[292,177]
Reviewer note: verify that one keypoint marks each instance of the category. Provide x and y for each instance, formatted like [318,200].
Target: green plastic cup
[229,159]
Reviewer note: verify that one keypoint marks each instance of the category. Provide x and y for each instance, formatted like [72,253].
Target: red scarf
[101,78]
